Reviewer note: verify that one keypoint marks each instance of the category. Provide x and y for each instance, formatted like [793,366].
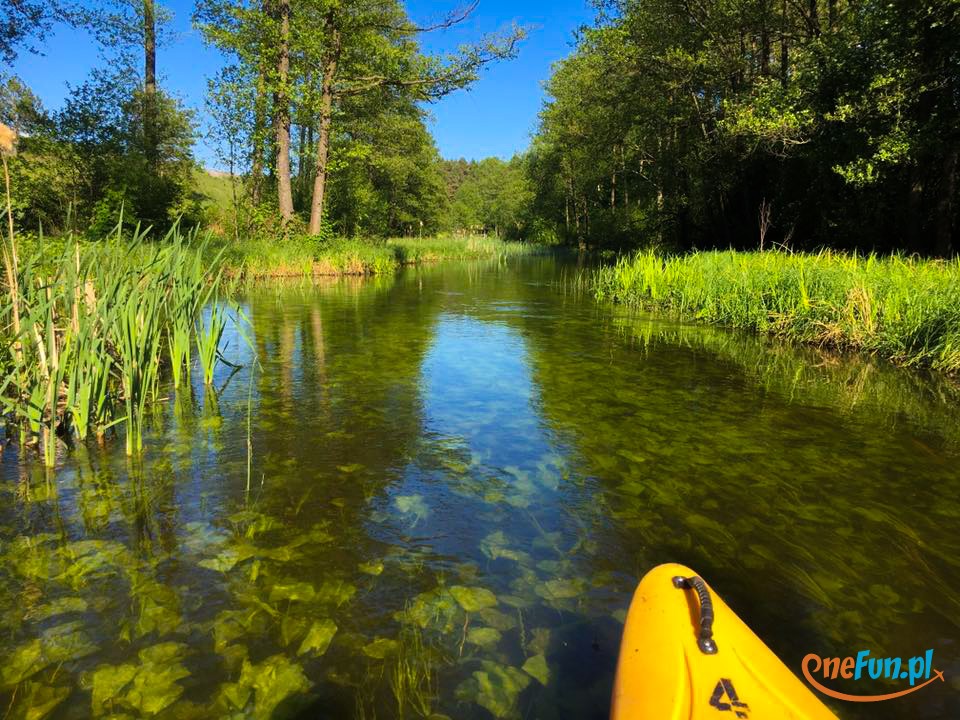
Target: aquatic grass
[902,309]
[87,329]
[208,337]
[137,339]
[412,676]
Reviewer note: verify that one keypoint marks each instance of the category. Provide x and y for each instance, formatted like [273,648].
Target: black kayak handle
[705,641]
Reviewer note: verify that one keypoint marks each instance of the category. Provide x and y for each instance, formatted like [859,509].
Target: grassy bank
[902,309]
[88,330]
[304,256]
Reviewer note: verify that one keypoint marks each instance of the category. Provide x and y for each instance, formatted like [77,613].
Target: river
[433,494]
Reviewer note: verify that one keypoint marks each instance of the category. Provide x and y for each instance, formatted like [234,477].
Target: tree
[246,32]
[679,122]
[103,124]
[25,22]
[126,28]
[326,54]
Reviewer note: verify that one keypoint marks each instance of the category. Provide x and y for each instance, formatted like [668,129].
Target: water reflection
[458,476]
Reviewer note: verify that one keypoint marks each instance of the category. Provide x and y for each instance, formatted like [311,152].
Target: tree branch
[451,19]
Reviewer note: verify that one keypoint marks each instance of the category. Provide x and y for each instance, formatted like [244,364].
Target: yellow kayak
[685,655]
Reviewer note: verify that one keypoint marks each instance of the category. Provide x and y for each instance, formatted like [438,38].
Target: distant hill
[212,187]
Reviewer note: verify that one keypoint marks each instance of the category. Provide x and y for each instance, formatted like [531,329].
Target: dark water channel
[456,478]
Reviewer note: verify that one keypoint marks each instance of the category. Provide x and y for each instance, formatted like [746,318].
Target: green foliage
[902,309]
[262,687]
[79,168]
[496,687]
[537,668]
[146,688]
[386,180]
[26,22]
[491,196]
[318,637]
[473,599]
[828,123]
[87,329]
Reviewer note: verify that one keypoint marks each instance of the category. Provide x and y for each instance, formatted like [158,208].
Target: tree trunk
[784,47]
[765,39]
[813,20]
[301,147]
[284,190]
[259,131]
[915,210]
[150,81]
[326,120]
[945,213]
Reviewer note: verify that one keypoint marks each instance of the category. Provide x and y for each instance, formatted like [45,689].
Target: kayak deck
[679,663]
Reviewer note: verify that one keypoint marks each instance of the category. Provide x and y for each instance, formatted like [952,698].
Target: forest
[753,123]
[317,117]
[743,124]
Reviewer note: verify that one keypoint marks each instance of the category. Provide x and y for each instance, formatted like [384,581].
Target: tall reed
[87,332]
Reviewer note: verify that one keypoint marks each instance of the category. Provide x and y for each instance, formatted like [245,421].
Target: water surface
[449,486]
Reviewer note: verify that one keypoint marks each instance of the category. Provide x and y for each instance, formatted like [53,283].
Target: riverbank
[89,329]
[905,310]
[305,256]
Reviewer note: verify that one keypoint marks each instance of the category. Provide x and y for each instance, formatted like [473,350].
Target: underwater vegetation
[431,495]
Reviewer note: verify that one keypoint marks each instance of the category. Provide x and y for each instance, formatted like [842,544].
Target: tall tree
[127,29]
[282,110]
[150,80]
[369,45]
[247,32]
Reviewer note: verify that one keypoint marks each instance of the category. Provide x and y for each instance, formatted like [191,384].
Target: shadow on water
[457,477]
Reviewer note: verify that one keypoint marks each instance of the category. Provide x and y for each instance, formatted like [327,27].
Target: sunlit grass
[456,247]
[903,309]
[305,256]
[87,328]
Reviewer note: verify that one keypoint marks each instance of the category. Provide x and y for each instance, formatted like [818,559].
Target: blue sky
[495,117]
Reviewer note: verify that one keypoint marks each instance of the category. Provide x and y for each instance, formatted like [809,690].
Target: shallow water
[453,482]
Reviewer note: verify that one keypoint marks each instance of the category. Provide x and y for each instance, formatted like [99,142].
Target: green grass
[214,190]
[903,309]
[86,329]
[306,256]
[450,247]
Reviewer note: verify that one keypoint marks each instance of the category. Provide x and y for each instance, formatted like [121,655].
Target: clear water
[472,436]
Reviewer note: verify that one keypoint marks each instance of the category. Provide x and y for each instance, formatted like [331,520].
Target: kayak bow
[685,655]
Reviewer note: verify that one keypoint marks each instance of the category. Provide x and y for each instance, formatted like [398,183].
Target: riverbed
[433,495]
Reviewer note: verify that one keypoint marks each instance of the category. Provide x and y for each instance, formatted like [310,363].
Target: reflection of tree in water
[340,369]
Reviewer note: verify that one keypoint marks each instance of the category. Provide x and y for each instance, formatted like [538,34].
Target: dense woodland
[721,123]
[748,123]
